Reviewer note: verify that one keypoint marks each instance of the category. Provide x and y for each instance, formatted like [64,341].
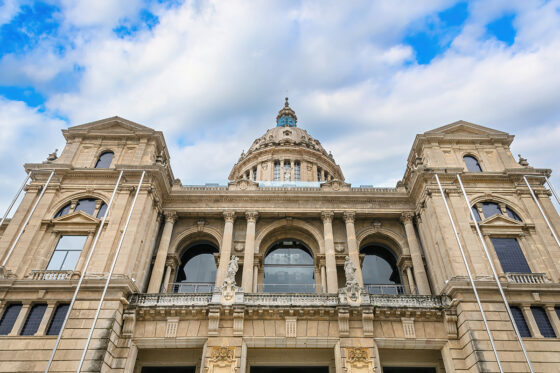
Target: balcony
[50,275]
[526,278]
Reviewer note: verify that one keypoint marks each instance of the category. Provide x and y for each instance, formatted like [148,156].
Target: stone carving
[287,175]
[523,161]
[52,156]
[222,360]
[357,360]
[352,288]
[160,158]
[229,288]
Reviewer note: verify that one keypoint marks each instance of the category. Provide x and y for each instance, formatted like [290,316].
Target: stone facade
[429,318]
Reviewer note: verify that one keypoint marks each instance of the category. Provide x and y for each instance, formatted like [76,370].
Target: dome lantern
[286,116]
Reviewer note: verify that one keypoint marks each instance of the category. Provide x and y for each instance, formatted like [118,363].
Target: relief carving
[222,360]
[358,360]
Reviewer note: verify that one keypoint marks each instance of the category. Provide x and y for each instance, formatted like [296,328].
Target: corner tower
[286,154]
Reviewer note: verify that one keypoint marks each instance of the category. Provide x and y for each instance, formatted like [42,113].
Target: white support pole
[470,276]
[93,245]
[542,211]
[487,253]
[552,189]
[15,199]
[27,220]
[110,274]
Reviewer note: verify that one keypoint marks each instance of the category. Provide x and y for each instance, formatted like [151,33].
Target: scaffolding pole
[541,210]
[15,199]
[487,253]
[470,276]
[110,274]
[94,244]
[27,220]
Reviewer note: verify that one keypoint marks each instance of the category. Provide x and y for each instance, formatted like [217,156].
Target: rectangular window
[58,319]
[255,174]
[510,255]
[276,171]
[297,171]
[319,174]
[520,322]
[9,318]
[66,253]
[33,319]
[545,327]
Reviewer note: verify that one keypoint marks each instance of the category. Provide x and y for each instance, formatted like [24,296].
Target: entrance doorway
[168,369]
[290,369]
[408,370]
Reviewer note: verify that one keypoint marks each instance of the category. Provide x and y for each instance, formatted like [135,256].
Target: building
[288,268]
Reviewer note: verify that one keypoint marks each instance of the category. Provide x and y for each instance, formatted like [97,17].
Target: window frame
[52,317]
[101,153]
[27,319]
[477,159]
[83,250]
[523,251]
[5,309]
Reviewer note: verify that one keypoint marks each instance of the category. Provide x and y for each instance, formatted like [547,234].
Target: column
[353,252]
[46,318]
[413,289]
[416,255]
[166,278]
[255,278]
[249,258]
[282,170]
[323,279]
[554,320]
[26,305]
[330,259]
[225,250]
[530,320]
[161,256]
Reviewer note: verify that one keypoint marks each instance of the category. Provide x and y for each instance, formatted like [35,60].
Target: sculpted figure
[232,268]
[350,271]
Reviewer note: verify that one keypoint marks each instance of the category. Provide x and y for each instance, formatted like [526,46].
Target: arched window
[197,269]
[104,160]
[490,209]
[472,163]
[379,270]
[288,268]
[63,211]
[86,205]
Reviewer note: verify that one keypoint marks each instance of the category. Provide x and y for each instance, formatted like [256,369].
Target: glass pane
[58,319]
[104,160]
[472,164]
[9,318]
[543,322]
[63,211]
[71,260]
[510,255]
[56,261]
[476,214]
[520,322]
[512,214]
[33,319]
[86,205]
[102,211]
[490,209]
[71,243]
[379,266]
[200,268]
[287,279]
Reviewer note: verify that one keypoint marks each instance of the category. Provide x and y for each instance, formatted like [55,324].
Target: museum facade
[111,264]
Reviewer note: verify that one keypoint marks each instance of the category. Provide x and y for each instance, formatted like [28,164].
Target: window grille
[520,322]
[9,318]
[58,319]
[545,327]
[66,253]
[33,319]
[510,255]
[472,164]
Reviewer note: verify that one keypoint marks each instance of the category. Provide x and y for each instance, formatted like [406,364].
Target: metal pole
[83,273]
[542,211]
[15,199]
[27,220]
[109,275]
[486,252]
[470,276]
[552,189]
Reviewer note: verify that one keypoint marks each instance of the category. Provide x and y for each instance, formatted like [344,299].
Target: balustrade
[50,275]
[527,278]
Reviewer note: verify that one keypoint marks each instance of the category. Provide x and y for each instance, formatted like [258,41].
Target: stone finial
[523,161]
[52,156]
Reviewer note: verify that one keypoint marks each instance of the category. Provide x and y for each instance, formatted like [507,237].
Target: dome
[286,153]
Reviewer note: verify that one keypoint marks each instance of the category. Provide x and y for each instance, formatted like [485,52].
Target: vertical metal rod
[110,274]
[27,220]
[487,253]
[552,189]
[15,199]
[93,245]
[541,210]
[470,276]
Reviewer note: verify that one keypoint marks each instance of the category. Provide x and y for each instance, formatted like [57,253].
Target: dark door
[289,369]
[408,370]
[168,369]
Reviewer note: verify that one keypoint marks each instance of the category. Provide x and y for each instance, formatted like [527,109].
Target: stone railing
[409,301]
[160,300]
[527,278]
[50,275]
[284,299]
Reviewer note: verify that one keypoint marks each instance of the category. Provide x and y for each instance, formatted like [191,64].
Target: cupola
[286,116]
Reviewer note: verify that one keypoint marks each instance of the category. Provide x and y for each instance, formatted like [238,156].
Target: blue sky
[363,76]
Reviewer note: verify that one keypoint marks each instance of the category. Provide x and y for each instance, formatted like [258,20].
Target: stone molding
[327,216]
[229,216]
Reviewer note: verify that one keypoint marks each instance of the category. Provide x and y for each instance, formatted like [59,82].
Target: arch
[472,162]
[289,268]
[384,236]
[291,228]
[497,199]
[104,159]
[197,265]
[193,234]
[382,269]
[76,196]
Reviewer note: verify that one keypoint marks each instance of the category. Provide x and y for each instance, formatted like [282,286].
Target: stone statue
[231,271]
[52,156]
[523,161]
[350,272]
[287,175]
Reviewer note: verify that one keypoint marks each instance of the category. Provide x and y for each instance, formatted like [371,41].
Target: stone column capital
[349,217]
[170,216]
[251,216]
[327,216]
[406,217]
[229,216]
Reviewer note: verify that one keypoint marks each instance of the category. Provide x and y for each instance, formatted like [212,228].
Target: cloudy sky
[363,76]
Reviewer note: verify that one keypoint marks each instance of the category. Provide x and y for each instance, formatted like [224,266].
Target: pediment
[499,220]
[77,217]
[464,128]
[113,125]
